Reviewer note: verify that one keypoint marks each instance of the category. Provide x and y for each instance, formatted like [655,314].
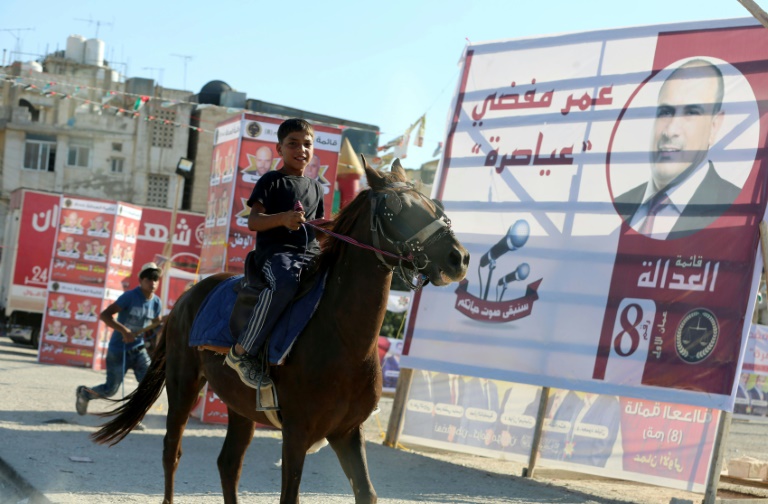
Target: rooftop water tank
[75,48]
[94,52]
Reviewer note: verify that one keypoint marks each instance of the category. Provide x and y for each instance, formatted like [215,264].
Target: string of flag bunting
[70,91]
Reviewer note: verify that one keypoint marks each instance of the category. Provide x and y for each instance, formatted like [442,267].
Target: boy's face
[296,150]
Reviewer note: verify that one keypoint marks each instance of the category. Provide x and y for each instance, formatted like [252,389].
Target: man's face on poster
[69,244]
[56,327]
[263,160]
[61,303]
[313,168]
[688,117]
[98,223]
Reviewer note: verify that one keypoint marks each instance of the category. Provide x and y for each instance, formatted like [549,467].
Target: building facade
[72,127]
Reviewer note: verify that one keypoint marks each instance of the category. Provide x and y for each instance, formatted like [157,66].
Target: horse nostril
[458,258]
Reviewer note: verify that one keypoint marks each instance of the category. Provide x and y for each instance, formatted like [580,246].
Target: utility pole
[98,24]
[186,58]
[160,70]
[15,32]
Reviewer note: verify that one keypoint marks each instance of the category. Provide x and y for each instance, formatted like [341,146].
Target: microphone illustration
[515,238]
[521,273]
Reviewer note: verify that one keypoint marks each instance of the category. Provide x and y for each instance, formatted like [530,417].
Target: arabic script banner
[608,187]
[654,442]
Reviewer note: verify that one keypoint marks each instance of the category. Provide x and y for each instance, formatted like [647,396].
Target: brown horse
[331,381]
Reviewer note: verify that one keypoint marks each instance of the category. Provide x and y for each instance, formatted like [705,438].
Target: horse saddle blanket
[211,326]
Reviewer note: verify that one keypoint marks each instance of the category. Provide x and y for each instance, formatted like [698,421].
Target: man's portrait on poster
[684,147]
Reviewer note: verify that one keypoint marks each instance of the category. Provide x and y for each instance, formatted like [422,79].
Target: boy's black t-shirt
[278,192]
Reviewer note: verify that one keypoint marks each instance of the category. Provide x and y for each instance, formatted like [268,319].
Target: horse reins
[414,245]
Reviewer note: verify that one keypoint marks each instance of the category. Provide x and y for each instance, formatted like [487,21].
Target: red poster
[667,440]
[154,233]
[679,321]
[70,325]
[121,258]
[37,231]
[213,255]
[80,253]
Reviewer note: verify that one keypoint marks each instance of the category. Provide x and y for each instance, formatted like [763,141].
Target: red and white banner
[187,242]
[609,188]
[93,255]
[31,255]
[246,145]
[658,443]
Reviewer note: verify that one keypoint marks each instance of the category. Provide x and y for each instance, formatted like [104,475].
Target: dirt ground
[46,443]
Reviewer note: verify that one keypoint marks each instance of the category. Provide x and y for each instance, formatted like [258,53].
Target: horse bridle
[387,204]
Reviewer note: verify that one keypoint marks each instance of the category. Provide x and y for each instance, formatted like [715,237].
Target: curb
[20,486]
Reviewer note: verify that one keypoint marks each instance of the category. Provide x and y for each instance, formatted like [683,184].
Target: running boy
[135,309]
[281,242]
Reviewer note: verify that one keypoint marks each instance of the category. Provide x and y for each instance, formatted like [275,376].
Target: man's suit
[710,200]
[484,398]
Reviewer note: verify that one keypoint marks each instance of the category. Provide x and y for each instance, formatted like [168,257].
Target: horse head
[407,224]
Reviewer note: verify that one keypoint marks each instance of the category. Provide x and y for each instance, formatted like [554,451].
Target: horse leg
[350,449]
[182,394]
[295,448]
[230,461]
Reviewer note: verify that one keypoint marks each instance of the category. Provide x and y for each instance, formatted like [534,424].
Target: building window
[117,147]
[117,165]
[163,127]
[40,153]
[157,190]
[79,154]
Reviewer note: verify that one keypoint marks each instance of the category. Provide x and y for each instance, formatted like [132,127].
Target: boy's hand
[293,220]
[129,337]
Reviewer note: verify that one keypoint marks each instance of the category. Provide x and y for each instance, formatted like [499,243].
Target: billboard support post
[537,429]
[398,407]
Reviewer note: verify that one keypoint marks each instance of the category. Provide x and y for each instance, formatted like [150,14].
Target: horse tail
[138,402]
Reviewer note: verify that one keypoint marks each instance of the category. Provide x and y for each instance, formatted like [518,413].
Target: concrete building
[67,125]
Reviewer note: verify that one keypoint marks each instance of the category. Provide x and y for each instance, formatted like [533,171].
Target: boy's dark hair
[152,274]
[292,125]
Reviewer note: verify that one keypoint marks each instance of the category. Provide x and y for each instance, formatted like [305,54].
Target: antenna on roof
[98,24]
[186,58]
[15,32]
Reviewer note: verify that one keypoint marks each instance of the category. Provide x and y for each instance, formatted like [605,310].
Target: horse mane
[345,220]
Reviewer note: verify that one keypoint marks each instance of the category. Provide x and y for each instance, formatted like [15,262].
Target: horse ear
[398,169]
[375,179]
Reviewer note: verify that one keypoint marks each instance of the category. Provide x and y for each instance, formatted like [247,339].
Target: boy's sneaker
[246,366]
[81,401]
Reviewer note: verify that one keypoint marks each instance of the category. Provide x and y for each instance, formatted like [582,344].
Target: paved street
[46,443]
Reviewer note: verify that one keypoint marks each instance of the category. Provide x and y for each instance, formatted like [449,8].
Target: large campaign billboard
[609,186]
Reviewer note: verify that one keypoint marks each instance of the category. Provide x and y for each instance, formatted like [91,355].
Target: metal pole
[124,352]
[718,453]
